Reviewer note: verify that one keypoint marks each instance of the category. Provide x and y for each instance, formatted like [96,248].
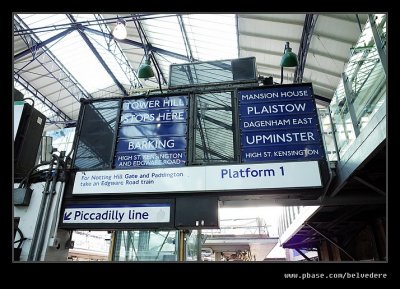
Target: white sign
[18,108]
[118,214]
[206,178]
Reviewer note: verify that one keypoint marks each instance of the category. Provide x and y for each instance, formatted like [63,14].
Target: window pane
[96,138]
[242,69]
[145,246]
[214,128]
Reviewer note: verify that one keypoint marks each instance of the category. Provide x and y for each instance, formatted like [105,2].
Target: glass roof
[212,36]
[75,54]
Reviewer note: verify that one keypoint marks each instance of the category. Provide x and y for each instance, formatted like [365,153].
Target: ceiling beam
[308,28]
[271,19]
[42,44]
[215,153]
[147,44]
[98,56]
[119,55]
[215,121]
[270,37]
[324,71]
[41,97]
[113,20]
[140,45]
[185,38]
[75,89]
[328,55]
[260,50]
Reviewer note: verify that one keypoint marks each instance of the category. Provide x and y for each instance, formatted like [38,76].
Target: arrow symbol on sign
[67,217]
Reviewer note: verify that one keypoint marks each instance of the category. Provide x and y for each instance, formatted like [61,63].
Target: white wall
[28,217]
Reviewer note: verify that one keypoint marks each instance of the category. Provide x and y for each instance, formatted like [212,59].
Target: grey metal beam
[217,122]
[269,36]
[344,217]
[365,183]
[379,43]
[276,53]
[344,18]
[261,50]
[370,141]
[302,254]
[41,97]
[215,153]
[270,19]
[359,23]
[203,140]
[112,20]
[237,34]
[330,241]
[185,38]
[99,58]
[349,98]
[119,55]
[140,45]
[59,81]
[42,44]
[66,79]
[321,70]
[308,28]
[147,44]
[334,38]
[328,55]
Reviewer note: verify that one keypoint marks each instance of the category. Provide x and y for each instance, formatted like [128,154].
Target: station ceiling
[61,58]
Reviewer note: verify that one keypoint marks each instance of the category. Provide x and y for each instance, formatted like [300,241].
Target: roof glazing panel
[212,36]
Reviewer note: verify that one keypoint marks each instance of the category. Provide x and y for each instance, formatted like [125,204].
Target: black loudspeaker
[244,69]
[27,140]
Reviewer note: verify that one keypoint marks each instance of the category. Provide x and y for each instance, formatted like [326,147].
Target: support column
[335,252]
[323,249]
[378,230]
[59,250]
[181,246]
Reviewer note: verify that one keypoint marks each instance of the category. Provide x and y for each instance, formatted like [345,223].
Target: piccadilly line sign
[117,213]
[279,124]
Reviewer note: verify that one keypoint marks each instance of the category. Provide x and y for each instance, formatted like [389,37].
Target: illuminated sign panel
[152,132]
[279,124]
[199,179]
[117,213]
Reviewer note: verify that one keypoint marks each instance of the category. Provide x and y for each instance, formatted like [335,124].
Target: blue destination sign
[278,94]
[152,132]
[298,152]
[279,124]
[159,129]
[156,159]
[277,121]
[161,143]
[277,137]
[283,108]
[154,116]
[152,103]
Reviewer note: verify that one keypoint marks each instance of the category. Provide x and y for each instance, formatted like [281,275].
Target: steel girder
[42,98]
[308,29]
[120,57]
[99,58]
[66,79]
